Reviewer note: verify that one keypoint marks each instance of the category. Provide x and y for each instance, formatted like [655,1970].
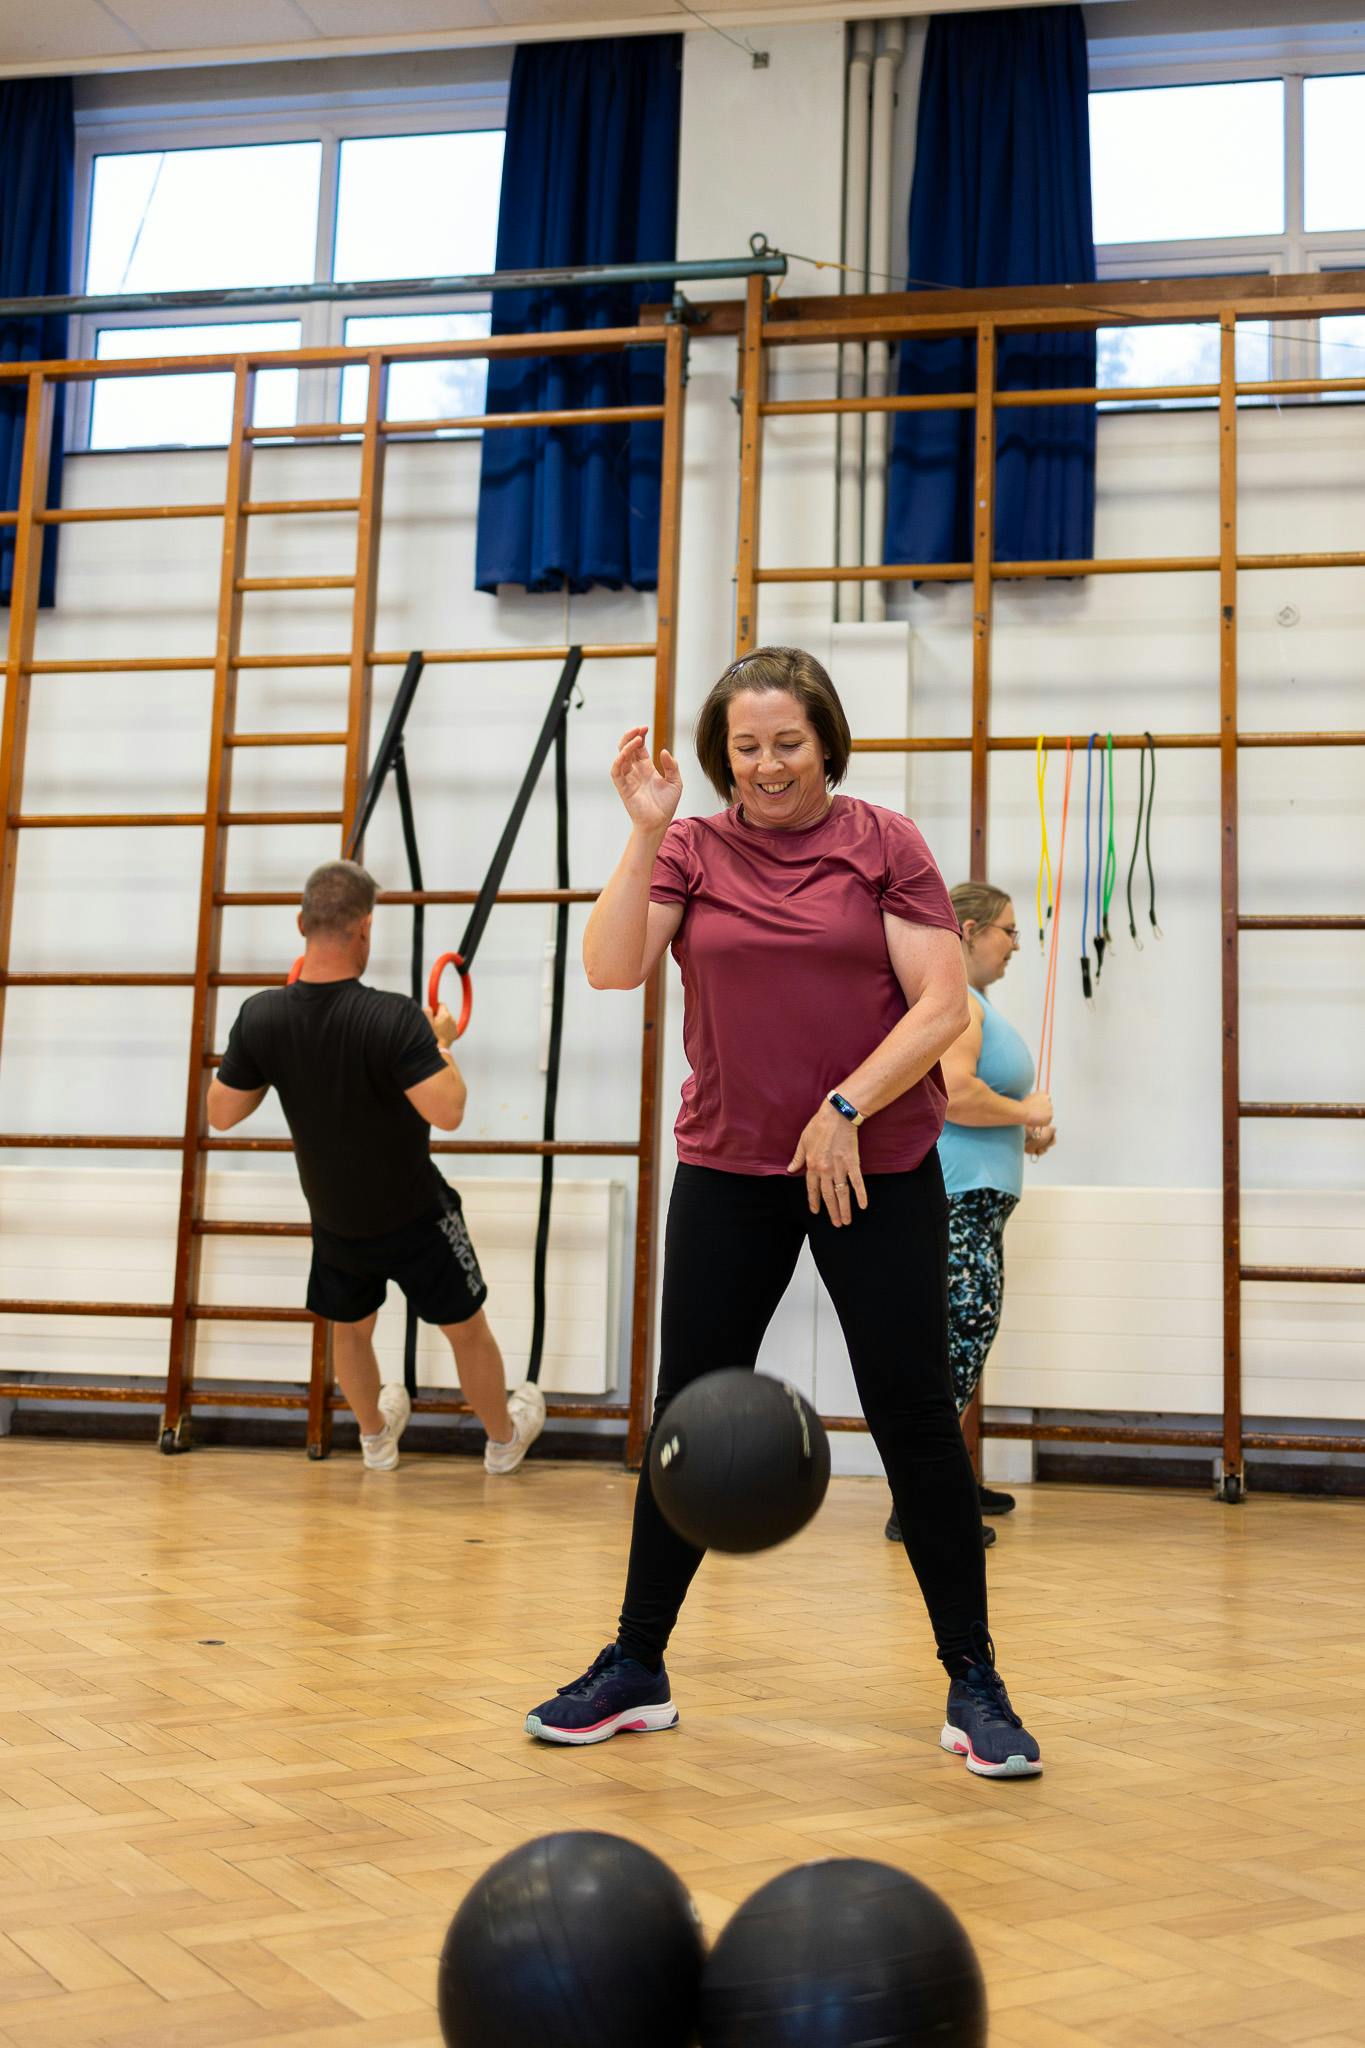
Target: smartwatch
[845,1108]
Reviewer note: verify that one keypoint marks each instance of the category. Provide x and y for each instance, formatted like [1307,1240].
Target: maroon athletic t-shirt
[787,982]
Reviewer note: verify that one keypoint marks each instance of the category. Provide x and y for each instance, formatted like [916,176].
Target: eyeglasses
[1011,931]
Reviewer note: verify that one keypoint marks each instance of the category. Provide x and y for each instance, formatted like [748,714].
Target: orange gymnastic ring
[456,961]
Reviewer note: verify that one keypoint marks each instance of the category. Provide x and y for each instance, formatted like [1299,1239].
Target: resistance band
[1044,857]
[1110,863]
[1085,887]
[1143,832]
[1050,981]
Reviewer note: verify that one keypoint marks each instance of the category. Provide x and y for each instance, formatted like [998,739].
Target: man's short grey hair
[336,897]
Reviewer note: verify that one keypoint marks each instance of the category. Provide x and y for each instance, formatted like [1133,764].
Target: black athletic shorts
[432,1260]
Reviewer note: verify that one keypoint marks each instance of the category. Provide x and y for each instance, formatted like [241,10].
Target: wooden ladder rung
[1301,924]
[202,1227]
[84,1308]
[285,739]
[1336,1276]
[295,583]
[79,1141]
[280,818]
[1302,1109]
[32,821]
[96,981]
[281,508]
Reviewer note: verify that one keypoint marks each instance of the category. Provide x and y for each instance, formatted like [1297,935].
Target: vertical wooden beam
[651,1051]
[217,797]
[983,595]
[753,390]
[23,621]
[360,691]
[1231,1486]
[321,1382]
[983,590]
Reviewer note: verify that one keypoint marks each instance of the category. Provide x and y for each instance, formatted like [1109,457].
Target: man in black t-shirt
[361,1075]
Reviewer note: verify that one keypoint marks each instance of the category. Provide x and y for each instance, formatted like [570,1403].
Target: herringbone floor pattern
[260,1726]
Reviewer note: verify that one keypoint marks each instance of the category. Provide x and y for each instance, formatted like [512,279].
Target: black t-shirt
[340,1055]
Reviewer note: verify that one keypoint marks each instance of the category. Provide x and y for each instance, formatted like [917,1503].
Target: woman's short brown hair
[772,668]
[977,902]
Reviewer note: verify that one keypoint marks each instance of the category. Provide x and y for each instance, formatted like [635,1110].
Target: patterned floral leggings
[976,1281]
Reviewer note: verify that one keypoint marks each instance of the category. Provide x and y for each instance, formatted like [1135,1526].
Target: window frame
[1294,343]
[461,108]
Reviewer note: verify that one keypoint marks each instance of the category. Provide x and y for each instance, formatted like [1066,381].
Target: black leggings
[731,1247]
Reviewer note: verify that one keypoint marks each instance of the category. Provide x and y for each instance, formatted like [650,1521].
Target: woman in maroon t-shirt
[822,979]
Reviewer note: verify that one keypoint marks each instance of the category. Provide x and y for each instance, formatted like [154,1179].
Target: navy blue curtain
[1001,196]
[37,165]
[590,176]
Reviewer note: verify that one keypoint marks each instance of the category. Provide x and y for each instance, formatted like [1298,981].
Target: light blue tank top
[976,1157]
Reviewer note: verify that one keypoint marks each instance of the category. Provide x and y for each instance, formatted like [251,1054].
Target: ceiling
[57,36]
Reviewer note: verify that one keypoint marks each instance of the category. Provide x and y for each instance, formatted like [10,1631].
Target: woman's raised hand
[650,794]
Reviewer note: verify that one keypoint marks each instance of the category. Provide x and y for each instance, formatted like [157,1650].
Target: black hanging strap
[560,705]
[547,1163]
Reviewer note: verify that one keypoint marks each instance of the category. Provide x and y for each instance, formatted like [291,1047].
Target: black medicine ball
[572,1941]
[739,1461]
[843,1954]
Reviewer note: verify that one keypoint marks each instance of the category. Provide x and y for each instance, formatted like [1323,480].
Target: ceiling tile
[397,17]
[208,25]
[529,13]
[31,33]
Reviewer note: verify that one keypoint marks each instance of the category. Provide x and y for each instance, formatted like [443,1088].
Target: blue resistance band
[1085,890]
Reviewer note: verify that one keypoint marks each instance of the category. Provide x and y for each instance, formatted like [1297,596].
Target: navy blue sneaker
[615,1696]
[981,1725]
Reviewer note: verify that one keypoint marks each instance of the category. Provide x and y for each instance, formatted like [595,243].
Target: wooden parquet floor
[260,1727]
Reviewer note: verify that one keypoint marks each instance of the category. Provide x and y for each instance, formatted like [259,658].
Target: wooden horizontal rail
[30,1307]
[281,818]
[1334,1276]
[214,1312]
[70,1141]
[153,1393]
[1025,743]
[96,981]
[569,342]
[1201,1439]
[1302,1109]
[1025,572]
[203,1227]
[582,416]
[475,1148]
[285,739]
[1301,924]
[115,666]
[295,583]
[284,508]
[90,515]
[270,978]
[289,899]
[42,821]
[438,657]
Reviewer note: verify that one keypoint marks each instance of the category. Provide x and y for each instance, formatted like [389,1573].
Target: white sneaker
[526,1406]
[380,1451]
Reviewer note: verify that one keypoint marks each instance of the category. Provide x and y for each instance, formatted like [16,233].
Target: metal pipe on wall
[848,597]
[877,443]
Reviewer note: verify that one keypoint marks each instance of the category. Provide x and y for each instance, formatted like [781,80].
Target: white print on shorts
[454,1229]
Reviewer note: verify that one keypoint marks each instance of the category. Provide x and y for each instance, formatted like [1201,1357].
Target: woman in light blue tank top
[994,1118]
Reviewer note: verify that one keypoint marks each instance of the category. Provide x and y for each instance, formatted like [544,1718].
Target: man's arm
[229,1106]
[440,1098]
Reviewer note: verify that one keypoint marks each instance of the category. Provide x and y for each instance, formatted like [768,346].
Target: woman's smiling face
[776,760]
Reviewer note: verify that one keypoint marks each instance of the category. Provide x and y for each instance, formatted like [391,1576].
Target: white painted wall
[1136,1074]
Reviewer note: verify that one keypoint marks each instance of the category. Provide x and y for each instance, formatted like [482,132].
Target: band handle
[295,971]
[455,960]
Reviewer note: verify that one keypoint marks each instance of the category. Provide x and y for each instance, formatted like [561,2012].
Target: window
[178,210]
[1244,176]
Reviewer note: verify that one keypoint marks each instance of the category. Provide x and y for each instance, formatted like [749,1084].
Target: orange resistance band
[1050,984]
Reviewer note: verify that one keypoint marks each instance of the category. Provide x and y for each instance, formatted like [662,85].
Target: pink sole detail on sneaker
[958,1744]
[634,1721]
